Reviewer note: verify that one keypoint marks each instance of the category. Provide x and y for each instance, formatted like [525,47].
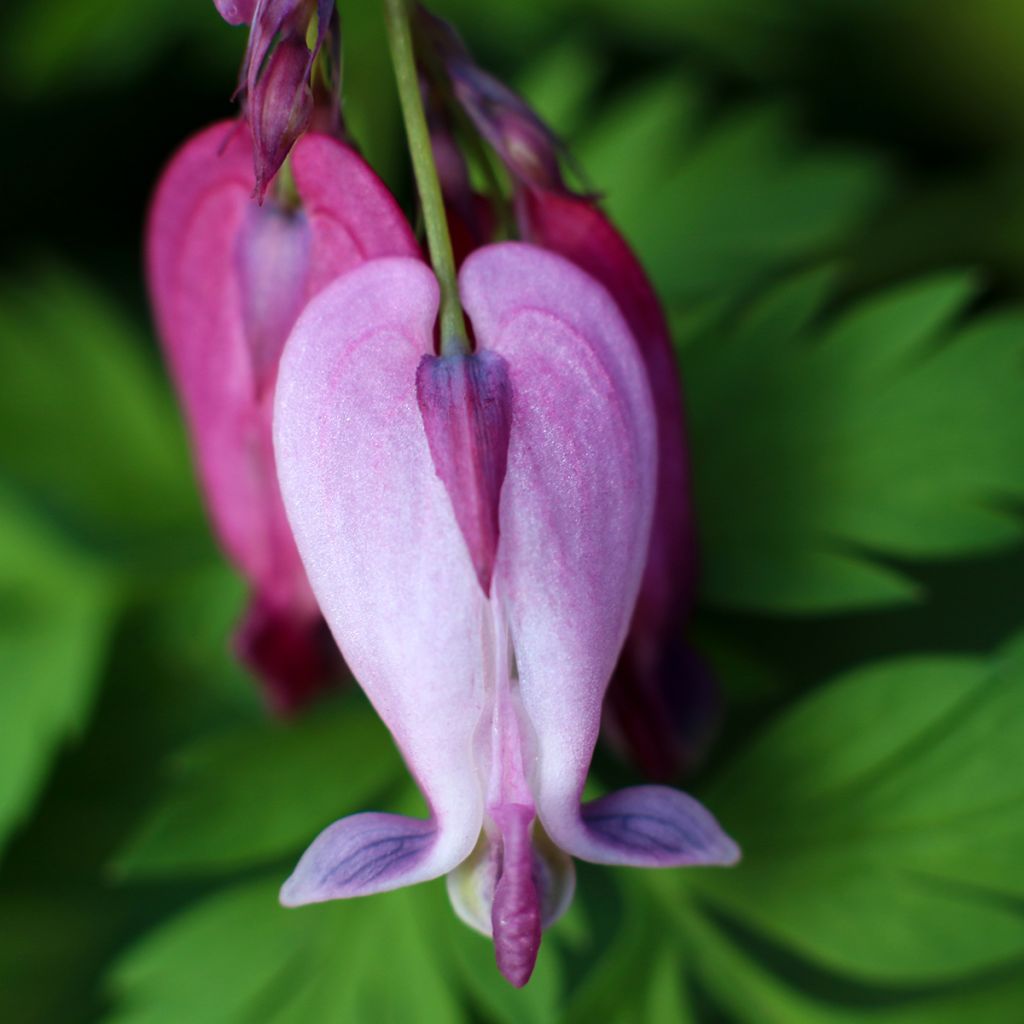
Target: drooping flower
[475,528]
[663,703]
[227,280]
[275,81]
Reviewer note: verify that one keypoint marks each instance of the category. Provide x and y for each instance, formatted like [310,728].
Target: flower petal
[651,826]
[465,401]
[236,12]
[364,854]
[577,501]
[374,524]
[649,685]
[227,279]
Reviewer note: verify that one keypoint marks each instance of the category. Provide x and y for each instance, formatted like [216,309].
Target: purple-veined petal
[650,826]
[385,556]
[465,401]
[364,854]
[577,502]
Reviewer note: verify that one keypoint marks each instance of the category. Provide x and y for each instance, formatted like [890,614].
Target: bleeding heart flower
[475,528]
[228,279]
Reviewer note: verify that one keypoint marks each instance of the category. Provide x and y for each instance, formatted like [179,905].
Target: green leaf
[88,430]
[822,446]
[715,206]
[877,842]
[57,612]
[237,957]
[57,45]
[262,791]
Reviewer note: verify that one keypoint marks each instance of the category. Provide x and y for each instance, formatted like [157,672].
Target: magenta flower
[275,80]
[475,528]
[228,279]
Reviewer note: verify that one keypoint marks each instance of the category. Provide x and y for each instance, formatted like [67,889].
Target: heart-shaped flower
[475,528]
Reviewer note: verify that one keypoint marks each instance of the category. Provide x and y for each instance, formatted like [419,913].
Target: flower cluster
[491,529]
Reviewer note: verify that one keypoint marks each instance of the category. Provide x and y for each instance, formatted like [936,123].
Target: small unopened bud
[280,106]
[274,83]
[525,144]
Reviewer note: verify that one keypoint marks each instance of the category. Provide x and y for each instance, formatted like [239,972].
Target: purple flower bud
[521,139]
[275,78]
[228,279]
[279,104]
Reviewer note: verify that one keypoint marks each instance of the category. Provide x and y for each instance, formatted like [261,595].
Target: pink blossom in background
[227,279]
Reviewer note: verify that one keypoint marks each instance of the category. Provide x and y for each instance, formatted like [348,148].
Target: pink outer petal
[386,558]
[577,503]
[194,228]
[577,229]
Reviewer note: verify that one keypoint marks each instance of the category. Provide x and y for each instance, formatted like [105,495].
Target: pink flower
[228,279]
[475,529]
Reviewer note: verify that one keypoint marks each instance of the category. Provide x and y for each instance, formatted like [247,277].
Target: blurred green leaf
[262,791]
[56,612]
[88,429]
[237,957]
[56,45]
[881,823]
[716,205]
[822,447]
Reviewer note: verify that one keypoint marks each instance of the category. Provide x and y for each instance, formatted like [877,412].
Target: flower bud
[275,78]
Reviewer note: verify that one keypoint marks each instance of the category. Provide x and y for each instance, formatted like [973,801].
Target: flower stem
[454,339]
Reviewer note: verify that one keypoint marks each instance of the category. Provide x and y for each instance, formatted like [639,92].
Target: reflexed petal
[577,501]
[364,854]
[384,553]
[650,826]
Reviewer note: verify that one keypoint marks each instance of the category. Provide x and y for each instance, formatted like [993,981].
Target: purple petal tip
[465,403]
[516,910]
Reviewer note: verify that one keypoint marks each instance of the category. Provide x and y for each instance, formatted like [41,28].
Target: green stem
[454,339]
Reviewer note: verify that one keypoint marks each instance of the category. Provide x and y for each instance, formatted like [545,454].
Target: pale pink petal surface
[386,558]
